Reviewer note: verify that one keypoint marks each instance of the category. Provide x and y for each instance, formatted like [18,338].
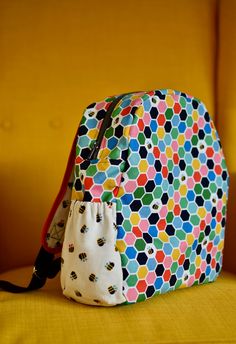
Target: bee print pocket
[91,265]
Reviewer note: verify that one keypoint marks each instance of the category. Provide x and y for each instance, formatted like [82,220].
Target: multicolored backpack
[141,210]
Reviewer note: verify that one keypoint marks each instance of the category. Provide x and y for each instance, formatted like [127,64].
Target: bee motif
[83,257]
[112,289]
[202,146]
[109,266]
[150,250]
[70,212]
[84,229]
[77,293]
[96,301]
[109,204]
[93,278]
[71,248]
[61,223]
[155,206]
[65,203]
[101,241]
[99,218]
[81,209]
[73,275]
[115,226]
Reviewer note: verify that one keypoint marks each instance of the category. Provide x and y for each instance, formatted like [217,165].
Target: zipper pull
[93,150]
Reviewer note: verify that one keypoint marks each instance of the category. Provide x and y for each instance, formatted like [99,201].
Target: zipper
[96,145]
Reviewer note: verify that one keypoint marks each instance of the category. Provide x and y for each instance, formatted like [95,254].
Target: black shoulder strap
[45,267]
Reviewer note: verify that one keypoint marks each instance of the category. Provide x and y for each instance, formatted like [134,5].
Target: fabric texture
[202,314]
[91,266]
[59,212]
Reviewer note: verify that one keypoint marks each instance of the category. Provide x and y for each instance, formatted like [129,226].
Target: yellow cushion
[200,314]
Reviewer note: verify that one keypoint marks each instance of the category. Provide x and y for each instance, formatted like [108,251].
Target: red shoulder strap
[58,202]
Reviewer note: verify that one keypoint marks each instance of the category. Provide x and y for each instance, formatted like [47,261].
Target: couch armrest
[229,261]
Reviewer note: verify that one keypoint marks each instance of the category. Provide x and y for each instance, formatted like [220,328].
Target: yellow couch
[56,58]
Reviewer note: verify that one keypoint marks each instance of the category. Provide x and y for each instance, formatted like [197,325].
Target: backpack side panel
[54,227]
[91,266]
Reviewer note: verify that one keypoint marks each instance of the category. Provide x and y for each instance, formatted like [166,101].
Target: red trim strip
[59,199]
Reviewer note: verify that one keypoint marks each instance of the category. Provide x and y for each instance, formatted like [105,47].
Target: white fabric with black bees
[91,266]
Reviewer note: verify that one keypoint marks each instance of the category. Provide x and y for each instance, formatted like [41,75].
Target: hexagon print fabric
[172,203]
[162,163]
[99,179]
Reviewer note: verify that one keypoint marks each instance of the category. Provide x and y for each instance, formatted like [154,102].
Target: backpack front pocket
[91,265]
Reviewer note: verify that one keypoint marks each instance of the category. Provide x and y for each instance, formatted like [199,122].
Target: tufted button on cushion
[6,124]
[55,123]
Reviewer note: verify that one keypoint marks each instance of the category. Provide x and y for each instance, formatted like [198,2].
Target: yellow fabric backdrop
[59,56]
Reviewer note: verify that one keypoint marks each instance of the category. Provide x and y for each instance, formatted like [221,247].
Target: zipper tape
[96,145]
